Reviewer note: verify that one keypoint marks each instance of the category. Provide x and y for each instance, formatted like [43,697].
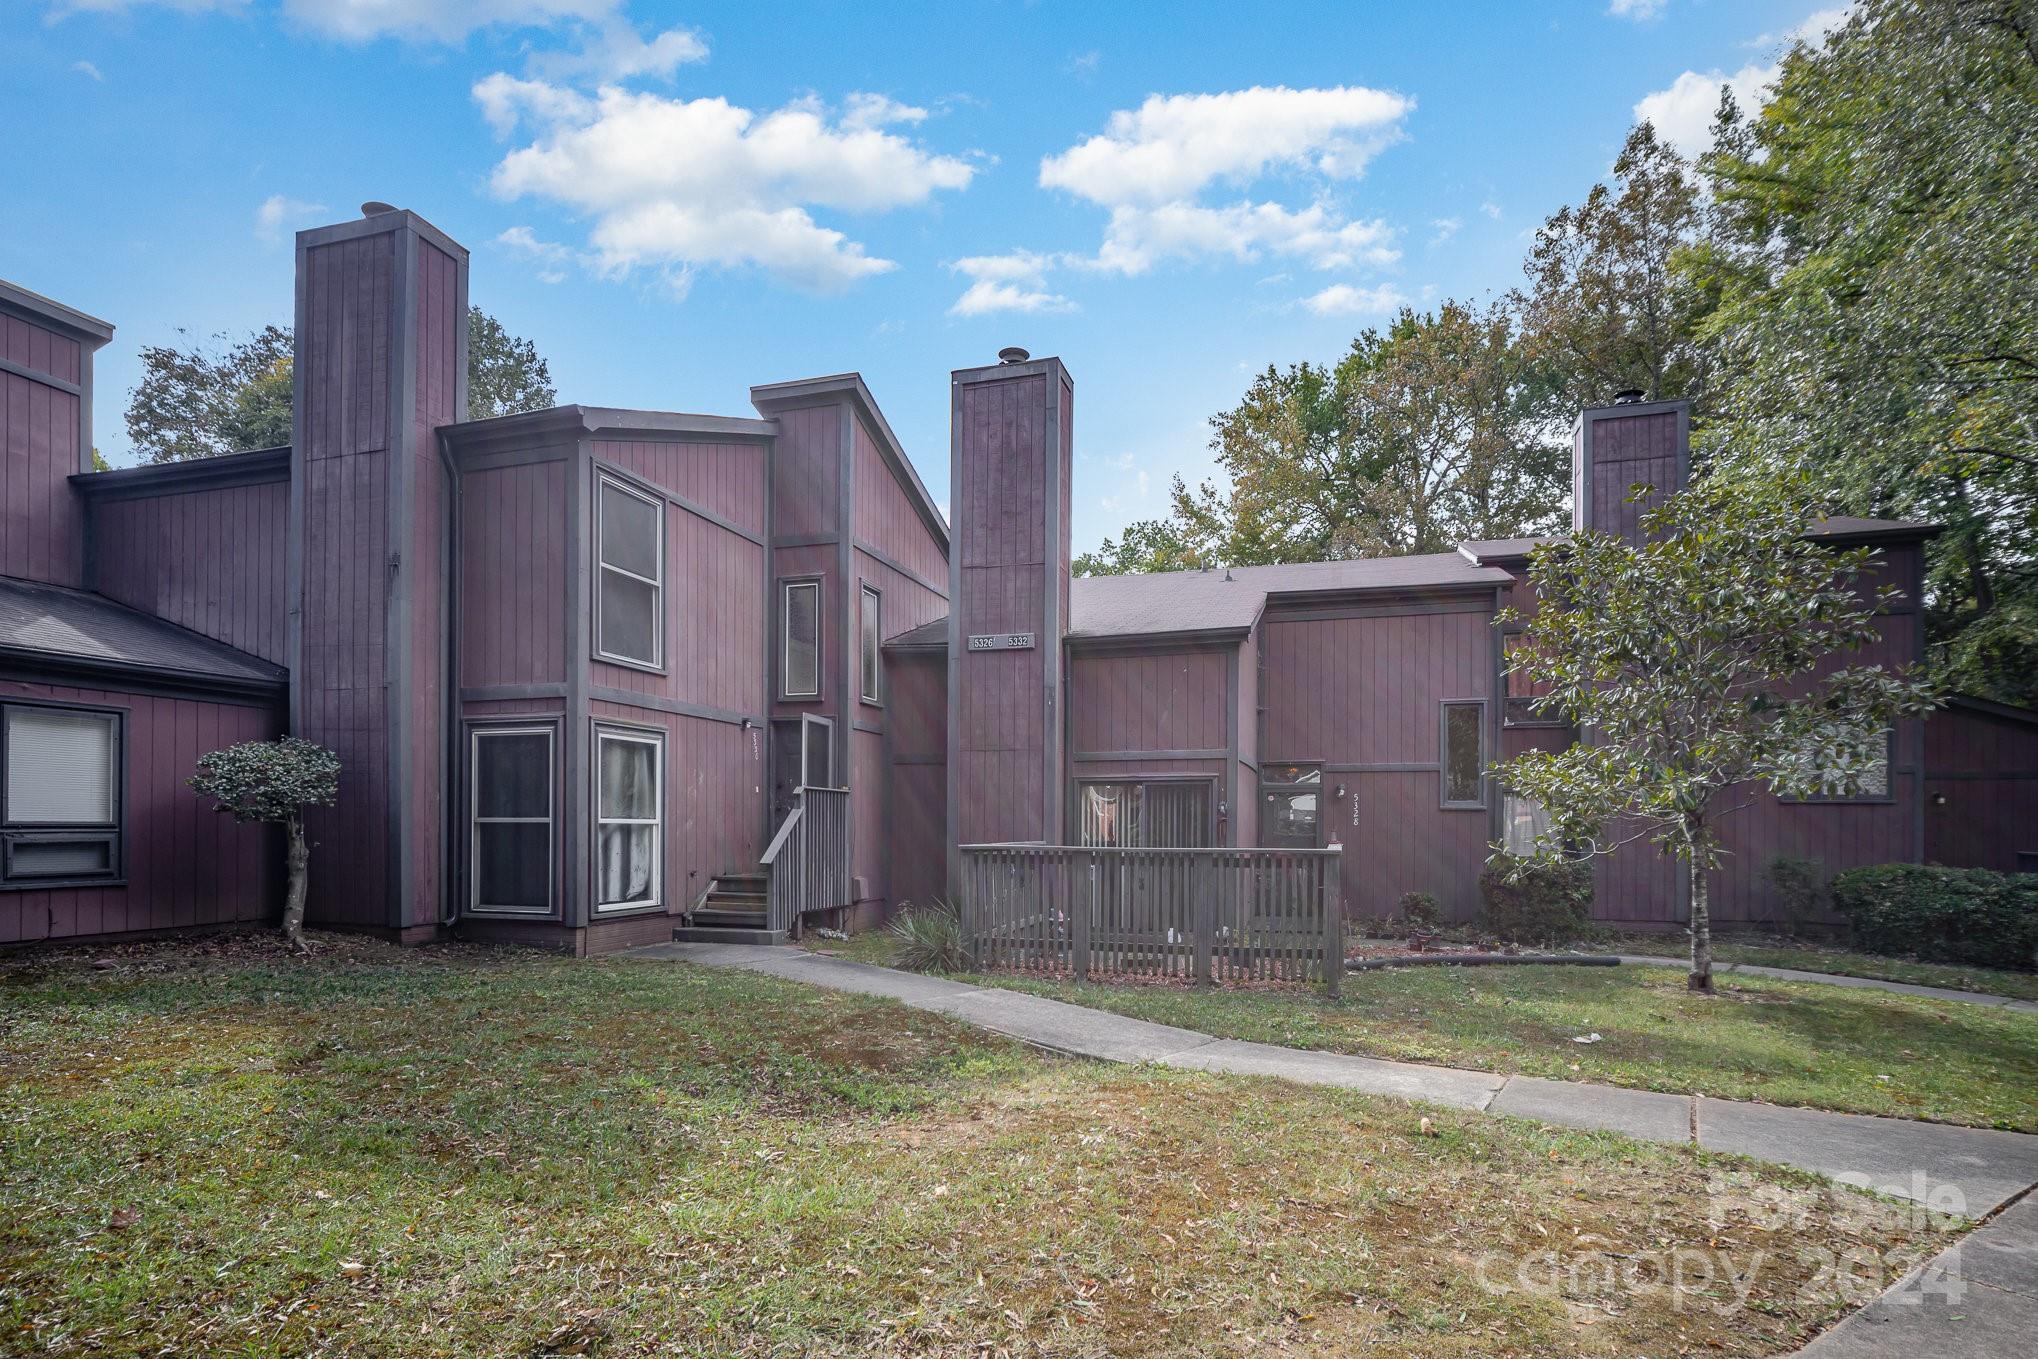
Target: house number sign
[1001,641]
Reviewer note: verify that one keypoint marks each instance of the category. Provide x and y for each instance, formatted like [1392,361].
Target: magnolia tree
[1699,667]
[274,781]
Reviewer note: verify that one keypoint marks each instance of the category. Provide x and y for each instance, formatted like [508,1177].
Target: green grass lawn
[220,1150]
[1806,1043]
[1814,958]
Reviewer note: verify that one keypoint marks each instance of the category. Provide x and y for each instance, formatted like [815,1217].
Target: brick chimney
[1614,448]
[381,362]
[1011,426]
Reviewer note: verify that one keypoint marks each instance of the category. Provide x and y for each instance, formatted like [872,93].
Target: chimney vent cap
[1012,353]
[1628,396]
[375,207]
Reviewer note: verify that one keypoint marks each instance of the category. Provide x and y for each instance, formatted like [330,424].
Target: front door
[1291,806]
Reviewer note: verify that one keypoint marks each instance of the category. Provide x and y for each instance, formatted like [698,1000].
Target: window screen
[62,794]
[631,558]
[871,603]
[628,807]
[801,662]
[1158,815]
[1464,754]
[512,812]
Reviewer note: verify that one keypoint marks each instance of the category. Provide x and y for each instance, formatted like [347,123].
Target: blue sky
[677,201]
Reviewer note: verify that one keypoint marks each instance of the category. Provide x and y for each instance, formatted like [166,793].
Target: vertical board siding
[1985,768]
[186,865]
[803,480]
[513,537]
[42,522]
[1155,700]
[214,561]
[1627,451]
[887,520]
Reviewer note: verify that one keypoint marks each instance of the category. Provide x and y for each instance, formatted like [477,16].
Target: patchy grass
[1811,957]
[459,1152]
[1826,1047]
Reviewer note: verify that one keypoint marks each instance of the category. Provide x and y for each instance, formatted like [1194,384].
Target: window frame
[1207,782]
[870,644]
[1444,800]
[604,479]
[655,738]
[1886,797]
[1506,825]
[550,731]
[1508,700]
[1312,775]
[113,834]
[786,585]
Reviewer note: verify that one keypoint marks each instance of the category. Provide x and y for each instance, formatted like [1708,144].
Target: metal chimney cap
[1012,353]
[375,207]
[1628,396]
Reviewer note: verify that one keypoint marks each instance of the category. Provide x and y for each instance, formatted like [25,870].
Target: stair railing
[807,863]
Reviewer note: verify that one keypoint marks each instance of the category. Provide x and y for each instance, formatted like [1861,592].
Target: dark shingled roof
[1206,601]
[1839,526]
[39,621]
[926,635]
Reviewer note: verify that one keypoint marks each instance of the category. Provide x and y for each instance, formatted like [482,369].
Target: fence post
[1333,920]
[1081,905]
[970,910]
[1203,888]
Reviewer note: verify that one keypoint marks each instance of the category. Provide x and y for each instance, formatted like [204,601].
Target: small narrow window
[510,840]
[62,796]
[1464,754]
[629,805]
[631,556]
[1526,706]
[1523,822]
[800,656]
[872,602]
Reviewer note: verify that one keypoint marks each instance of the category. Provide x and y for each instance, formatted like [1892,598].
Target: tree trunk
[299,860]
[1701,929]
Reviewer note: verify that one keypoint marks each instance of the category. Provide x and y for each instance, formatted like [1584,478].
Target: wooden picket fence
[1207,915]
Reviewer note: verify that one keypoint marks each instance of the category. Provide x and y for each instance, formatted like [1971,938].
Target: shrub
[1420,910]
[929,939]
[1801,889]
[1536,901]
[1942,915]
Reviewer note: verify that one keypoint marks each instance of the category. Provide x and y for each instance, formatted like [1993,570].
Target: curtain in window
[1522,822]
[627,842]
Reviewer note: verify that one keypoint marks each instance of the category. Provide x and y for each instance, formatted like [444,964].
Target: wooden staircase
[733,912]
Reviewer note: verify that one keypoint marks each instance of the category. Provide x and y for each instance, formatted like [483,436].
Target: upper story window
[1524,695]
[510,836]
[1871,783]
[870,652]
[1463,740]
[62,796]
[800,639]
[630,561]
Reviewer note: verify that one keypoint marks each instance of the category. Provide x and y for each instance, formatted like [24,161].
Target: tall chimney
[380,364]
[1615,448]
[1009,441]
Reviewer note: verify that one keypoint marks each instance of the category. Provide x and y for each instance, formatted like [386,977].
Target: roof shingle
[41,620]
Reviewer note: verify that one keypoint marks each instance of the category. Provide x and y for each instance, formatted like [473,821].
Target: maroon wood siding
[42,523]
[806,463]
[513,546]
[1981,788]
[1362,695]
[1148,701]
[915,821]
[1616,451]
[186,865]
[214,560]
[1243,820]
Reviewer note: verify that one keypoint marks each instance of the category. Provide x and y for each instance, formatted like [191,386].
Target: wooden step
[722,934]
[711,916]
[741,882]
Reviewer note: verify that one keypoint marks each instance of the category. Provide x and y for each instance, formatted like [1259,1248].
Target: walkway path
[1836,979]
[1969,1171]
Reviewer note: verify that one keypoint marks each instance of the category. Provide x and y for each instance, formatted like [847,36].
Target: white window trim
[785,637]
[871,633]
[475,821]
[656,740]
[604,481]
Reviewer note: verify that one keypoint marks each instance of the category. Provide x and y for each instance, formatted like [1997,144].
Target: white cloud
[59,9]
[617,51]
[1445,228]
[1011,282]
[863,111]
[1637,10]
[1139,237]
[278,211]
[1813,29]
[86,68]
[1683,114]
[549,256]
[1173,146]
[679,183]
[447,21]
[1342,299]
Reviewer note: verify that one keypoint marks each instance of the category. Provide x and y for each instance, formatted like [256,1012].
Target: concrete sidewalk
[1979,1299]
[1835,979]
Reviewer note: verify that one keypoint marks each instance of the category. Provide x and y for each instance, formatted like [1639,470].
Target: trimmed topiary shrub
[1537,901]
[1943,915]
[929,939]
[1421,910]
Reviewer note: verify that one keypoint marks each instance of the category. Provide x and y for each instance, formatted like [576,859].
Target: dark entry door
[802,756]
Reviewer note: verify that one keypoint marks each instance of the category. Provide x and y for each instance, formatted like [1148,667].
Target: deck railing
[1207,915]
[807,863]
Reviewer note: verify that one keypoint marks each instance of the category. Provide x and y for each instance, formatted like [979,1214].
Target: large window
[1522,823]
[630,560]
[1463,739]
[62,796]
[800,639]
[1832,784]
[1291,810]
[1172,814]
[510,837]
[629,819]
[872,634]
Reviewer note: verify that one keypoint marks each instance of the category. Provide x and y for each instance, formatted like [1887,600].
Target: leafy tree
[1879,306]
[1698,665]
[1146,545]
[1607,309]
[224,396]
[274,781]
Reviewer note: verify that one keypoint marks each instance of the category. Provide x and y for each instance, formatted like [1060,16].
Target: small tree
[274,781]
[1698,666]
